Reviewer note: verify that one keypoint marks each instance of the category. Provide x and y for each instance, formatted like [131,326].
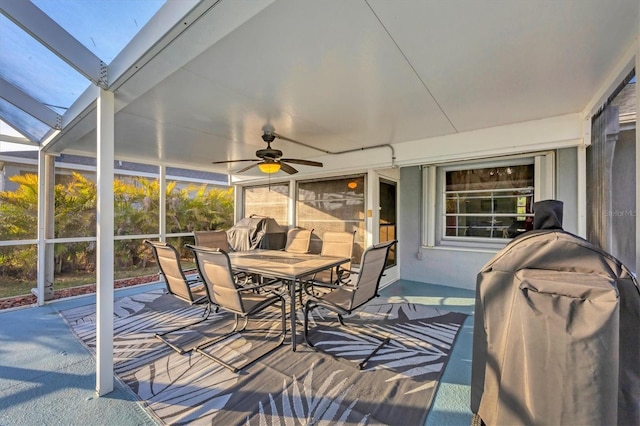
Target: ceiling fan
[269,159]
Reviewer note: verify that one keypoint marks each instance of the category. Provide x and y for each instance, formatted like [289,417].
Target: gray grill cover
[256,232]
[556,337]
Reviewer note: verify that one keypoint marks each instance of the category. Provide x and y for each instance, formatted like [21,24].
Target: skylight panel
[23,122]
[35,70]
[104,27]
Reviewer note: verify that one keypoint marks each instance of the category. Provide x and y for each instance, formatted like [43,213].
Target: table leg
[293,315]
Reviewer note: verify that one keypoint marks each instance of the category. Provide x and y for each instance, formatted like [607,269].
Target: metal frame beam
[22,130]
[55,38]
[30,105]
[16,139]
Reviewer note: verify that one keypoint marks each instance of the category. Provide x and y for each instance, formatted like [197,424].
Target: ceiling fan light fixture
[269,168]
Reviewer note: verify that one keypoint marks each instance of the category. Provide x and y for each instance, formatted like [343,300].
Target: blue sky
[103,26]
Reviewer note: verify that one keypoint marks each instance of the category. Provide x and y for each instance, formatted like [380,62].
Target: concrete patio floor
[48,377]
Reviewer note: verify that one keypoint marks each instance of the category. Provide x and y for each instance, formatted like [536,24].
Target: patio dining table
[288,267]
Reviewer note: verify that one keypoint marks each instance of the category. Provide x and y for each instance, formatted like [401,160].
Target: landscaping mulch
[30,299]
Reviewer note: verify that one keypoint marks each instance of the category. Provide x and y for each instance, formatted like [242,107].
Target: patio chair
[191,290]
[338,244]
[345,299]
[298,240]
[212,239]
[214,266]
[218,239]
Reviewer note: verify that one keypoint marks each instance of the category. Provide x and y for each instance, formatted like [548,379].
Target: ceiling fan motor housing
[268,137]
[268,152]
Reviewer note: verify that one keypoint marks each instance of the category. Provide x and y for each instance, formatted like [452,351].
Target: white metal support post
[581,152]
[292,204]
[46,179]
[372,213]
[238,205]
[637,209]
[162,202]
[104,236]
[582,190]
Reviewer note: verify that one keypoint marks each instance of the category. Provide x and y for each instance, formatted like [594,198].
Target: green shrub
[136,211]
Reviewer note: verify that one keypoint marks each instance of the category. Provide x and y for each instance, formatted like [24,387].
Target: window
[332,205]
[267,200]
[485,204]
[492,202]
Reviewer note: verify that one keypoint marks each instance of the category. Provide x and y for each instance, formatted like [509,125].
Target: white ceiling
[340,75]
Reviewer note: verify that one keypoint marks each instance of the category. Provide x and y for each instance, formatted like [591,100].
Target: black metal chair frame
[269,299]
[314,301]
[187,296]
[337,275]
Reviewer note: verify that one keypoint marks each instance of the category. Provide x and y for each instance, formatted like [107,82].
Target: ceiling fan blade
[287,168]
[303,162]
[232,161]
[248,167]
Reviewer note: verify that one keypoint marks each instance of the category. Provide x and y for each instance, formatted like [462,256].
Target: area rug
[284,387]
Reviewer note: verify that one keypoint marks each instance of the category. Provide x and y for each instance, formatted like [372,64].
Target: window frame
[434,197]
[316,240]
[268,186]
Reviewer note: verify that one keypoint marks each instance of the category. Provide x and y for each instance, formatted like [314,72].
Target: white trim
[531,136]
[238,203]
[430,189]
[621,69]
[41,260]
[392,273]
[105,242]
[162,202]
[581,153]
[372,208]
[637,265]
[88,168]
[291,207]
[467,248]
[71,240]
[16,139]
[544,177]
[19,242]
[433,198]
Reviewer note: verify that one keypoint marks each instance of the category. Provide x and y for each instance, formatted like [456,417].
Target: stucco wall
[453,268]
[459,267]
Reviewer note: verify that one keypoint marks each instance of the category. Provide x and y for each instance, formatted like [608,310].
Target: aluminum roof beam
[20,129]
[30,105]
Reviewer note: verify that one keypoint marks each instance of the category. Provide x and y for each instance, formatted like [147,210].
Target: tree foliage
[136,212]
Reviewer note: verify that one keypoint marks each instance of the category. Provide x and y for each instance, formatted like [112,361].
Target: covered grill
[556,336]
[256,232]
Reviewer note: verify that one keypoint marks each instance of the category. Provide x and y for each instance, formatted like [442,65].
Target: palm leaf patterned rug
[284,387]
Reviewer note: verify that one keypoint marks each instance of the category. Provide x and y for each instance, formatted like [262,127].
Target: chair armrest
[309,284]
[242,278]
[343,274]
